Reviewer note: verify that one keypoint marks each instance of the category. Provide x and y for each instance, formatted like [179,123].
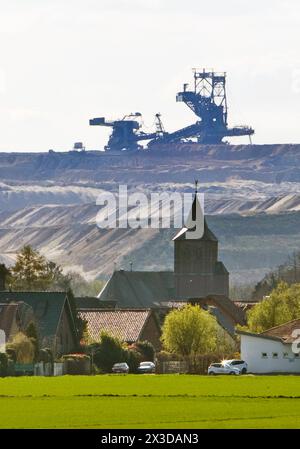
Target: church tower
[198,273]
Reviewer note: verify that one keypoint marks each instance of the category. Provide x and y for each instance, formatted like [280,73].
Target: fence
[195,365]
[174,366]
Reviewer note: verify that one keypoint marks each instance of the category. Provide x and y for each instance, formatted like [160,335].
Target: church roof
[91,302]
[220,268]
[138,288]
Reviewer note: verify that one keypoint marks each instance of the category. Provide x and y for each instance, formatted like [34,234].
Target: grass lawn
[150,401]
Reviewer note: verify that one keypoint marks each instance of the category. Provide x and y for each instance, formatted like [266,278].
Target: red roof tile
[124,324]
[284,331]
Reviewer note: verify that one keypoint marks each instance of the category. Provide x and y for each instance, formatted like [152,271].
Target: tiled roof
[125,324]
[284,331]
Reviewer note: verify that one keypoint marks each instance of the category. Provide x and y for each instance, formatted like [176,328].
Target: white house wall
[252,349]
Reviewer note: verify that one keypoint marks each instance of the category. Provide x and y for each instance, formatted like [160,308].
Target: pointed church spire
[196,215]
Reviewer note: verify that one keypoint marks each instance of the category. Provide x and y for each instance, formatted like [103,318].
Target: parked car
[236,363]
[222,368]
[146,367]
[120,368]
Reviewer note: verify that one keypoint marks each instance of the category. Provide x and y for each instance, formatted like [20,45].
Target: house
[53,315]
[272,351]
[15,317]
[128,325]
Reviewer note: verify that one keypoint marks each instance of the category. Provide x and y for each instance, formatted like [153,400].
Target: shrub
[146,349]
[108,352]
[189,331]
[23,347]
[31,333]
[133,359]
[45,355]
[11,354]
[3,364]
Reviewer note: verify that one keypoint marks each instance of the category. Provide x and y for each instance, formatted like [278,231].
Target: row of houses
[133,304]
[56,322]
[274,350]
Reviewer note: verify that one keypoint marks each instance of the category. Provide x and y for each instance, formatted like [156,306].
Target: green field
[150,401]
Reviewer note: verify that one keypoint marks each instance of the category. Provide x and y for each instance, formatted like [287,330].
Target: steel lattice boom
[207,99]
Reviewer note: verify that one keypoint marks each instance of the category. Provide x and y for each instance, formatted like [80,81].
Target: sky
[66,61]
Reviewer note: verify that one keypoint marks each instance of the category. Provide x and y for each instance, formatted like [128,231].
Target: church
[199,277]
[197,273]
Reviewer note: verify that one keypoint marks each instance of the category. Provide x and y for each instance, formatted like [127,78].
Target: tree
[288,272]
[189,331]
[226,344]
[4,276]
[80,286]
[31,270]
[281,306]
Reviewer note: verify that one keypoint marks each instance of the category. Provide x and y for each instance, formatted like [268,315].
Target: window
[285,355]
[275,355]
[264,355]
[296,354]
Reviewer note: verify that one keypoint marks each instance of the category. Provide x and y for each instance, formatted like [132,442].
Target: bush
[3,364]
[11,354]
[31,333]
[189,331]
[77,364]
[108,352]
[146,349]
[45,355]
[23,347]
[133,359]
